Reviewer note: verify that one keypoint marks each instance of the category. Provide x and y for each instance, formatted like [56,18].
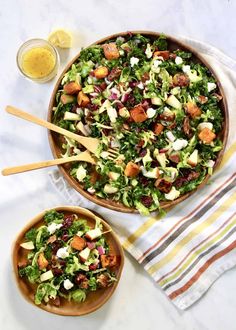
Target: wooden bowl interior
[94,299]
[173,44]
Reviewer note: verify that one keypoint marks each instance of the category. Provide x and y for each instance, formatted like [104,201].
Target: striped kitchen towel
[188,249]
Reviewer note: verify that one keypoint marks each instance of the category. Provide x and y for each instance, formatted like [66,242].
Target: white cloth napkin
[188,249]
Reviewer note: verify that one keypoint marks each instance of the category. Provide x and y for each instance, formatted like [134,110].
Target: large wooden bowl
[94,299]
[54,143]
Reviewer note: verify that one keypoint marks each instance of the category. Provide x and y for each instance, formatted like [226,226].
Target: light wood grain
[89,143]
[84,156]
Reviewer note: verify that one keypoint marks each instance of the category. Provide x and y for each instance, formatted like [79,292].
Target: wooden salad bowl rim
[116,206]
[95,299]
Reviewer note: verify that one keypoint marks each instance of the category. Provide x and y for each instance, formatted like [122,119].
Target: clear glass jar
[38,60]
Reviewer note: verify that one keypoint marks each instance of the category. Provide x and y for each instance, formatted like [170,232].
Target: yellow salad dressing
[38,62]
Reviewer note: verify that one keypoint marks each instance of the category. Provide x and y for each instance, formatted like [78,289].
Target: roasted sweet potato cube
[132,169]
[193,110]
[111,51]
[158,128]
[206,135]
[78,243]
[42,261]
[71,88]
[108,261]
[165,54]
[83,99]
[101,72]
[138,114]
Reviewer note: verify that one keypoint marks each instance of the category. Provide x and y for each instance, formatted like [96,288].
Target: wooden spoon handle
[27,116]
[46,163]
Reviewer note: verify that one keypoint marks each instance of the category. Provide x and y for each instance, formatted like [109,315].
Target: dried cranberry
[56,246]
[132,84]
[180,182]
[68,220]
[79,278]
[62,262]
[145,77]
[65,237]
[93,266]
[154,164]
[131,99]
[143,152]
[103,86]
[144,181]
[92,107]
[119,105]
[74,108]
[146,200]
[145,104]
[57,271]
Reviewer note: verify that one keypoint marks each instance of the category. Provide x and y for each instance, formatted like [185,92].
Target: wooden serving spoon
[85,156]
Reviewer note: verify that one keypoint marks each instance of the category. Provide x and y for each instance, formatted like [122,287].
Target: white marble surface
[138,303]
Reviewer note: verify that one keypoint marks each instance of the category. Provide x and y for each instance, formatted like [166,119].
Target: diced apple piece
[84,254]
[46,276]
[156,100]
[113,176]
[203,125]
[93,234]
[27,245]
[71,116]
[193,158]
[173,194]
[65,99]
[173,102]
[108,189]
[81,127]
[124,113]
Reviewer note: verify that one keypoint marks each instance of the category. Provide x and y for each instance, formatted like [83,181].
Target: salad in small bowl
[157,103]
[67,261]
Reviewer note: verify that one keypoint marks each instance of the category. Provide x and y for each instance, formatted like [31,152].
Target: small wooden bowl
[94,299]
[173,44]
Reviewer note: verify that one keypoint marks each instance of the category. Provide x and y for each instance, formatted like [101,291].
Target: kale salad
[158,108]
[66,259]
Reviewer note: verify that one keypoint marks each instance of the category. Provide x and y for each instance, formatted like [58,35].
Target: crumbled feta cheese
[178,60]
[68,284]
[211,86]
[151,112]
[81,173]
[134,61]
[148,51]
[91,190]
[173,194]
[186,68]
[112,113]
[179,144]
[210,163]
[170,136]
[140,85]
[203,125]
[53,227]
[156,63]
[62,253]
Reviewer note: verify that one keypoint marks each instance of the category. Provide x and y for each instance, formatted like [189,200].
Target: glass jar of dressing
[38,60]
